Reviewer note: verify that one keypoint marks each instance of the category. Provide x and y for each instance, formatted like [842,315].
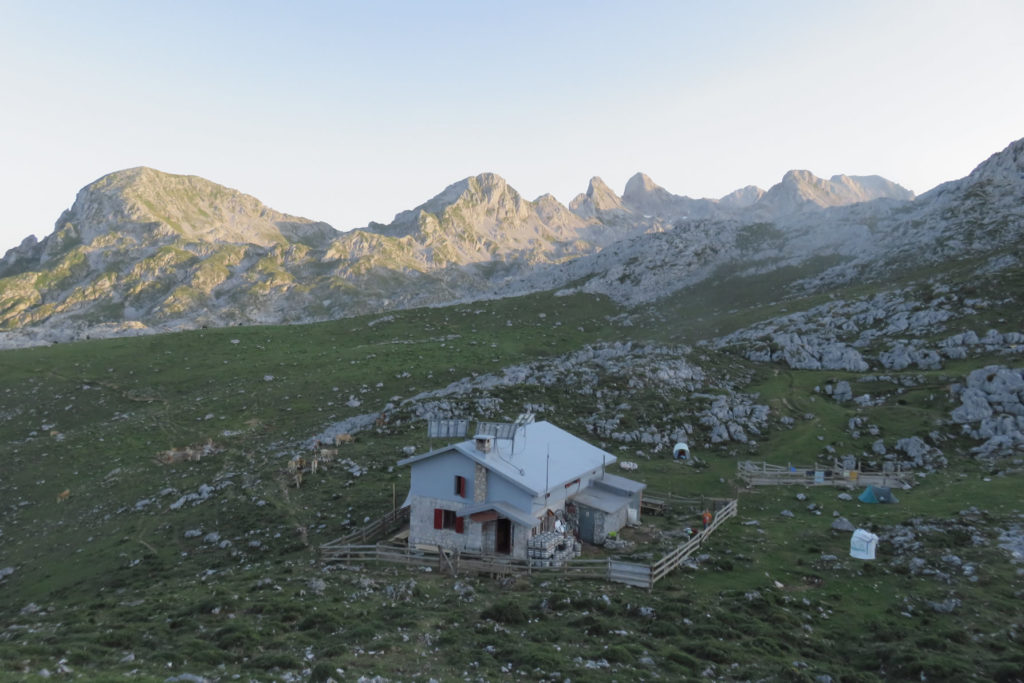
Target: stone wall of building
[422,531]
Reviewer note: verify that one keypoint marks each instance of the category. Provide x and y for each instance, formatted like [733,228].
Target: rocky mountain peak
[482,190]
[800,190]
[646,197]
[1003,171]
[639,185]
[151,204]
[1006,166]
[484,187]
[741,198]
[599,198]
[482,218]
[603,197]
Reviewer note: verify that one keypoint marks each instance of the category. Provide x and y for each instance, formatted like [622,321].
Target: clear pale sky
[349,112]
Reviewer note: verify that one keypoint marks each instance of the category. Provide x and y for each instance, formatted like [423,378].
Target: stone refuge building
[492,495]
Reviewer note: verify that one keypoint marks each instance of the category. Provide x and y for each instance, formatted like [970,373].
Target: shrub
[505,612]
[324,622]
[236,635]
[663,628]
[685,659]
[323,671]
[620,654]
[1007,672]
[590,625]
[276,660]
[540,656]
[710,652]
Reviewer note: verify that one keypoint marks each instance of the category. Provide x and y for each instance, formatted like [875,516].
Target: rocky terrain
[819,249]
[151,528]
[142,251]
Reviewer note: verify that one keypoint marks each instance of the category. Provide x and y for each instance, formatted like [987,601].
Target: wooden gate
[629,573]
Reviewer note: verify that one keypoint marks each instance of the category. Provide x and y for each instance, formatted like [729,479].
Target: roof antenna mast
[547,473]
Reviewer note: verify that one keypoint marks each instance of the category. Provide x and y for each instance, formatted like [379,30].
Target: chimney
[483,442]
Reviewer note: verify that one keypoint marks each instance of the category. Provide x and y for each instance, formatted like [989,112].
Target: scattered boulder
[843,524]
[946,606]
[842,392]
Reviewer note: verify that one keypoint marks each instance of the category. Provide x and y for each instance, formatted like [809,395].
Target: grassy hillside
[209,567]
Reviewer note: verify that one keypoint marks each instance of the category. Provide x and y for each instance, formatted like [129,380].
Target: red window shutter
[460,486]
[458,525]
[438,518]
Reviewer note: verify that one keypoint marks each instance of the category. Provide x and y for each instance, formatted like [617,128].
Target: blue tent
[878,494]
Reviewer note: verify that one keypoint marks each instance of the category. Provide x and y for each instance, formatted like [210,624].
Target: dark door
[503,537]
[586,524]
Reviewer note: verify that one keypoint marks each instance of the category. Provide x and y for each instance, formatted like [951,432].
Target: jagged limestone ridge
[482,218]
[479,237]
[140,245]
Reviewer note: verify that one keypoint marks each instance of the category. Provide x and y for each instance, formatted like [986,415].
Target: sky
[349,112]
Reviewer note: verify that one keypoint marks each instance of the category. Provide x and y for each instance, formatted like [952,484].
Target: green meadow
[150,570]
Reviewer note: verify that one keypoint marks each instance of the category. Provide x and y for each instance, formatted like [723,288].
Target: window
[460,486]
[447,519]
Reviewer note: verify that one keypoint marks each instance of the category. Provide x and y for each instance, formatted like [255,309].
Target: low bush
[505,612]
[323,671]
[276,660]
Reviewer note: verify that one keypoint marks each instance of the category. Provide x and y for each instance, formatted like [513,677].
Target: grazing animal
[313,465]
[63,495]
[343,438]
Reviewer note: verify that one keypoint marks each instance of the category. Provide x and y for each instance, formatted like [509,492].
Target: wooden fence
[657,501]
[378,528]
[455,562]
[765,474]
[343,551]
[665,565]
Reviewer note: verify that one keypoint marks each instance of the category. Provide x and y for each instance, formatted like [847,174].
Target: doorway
[503,537]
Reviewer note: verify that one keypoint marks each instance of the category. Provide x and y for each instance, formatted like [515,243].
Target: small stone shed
[610,503]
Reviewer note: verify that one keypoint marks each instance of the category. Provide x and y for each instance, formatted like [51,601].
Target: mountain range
[142,251]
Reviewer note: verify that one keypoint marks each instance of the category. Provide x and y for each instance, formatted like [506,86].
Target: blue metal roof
[540,458]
